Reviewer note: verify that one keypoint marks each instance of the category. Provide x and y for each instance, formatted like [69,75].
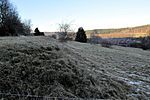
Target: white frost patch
[135,83]
[133,75]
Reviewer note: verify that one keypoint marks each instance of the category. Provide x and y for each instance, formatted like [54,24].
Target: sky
[89,14]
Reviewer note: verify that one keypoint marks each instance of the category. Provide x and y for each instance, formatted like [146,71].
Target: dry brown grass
[141,31]
[122,35]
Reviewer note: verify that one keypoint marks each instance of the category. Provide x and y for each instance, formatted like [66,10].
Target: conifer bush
[81,36]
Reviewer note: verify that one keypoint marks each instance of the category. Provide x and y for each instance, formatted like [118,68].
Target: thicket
[144,44]
[10,22]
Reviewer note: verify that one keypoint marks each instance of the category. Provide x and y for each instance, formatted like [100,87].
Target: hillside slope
[139,31]
[46,67]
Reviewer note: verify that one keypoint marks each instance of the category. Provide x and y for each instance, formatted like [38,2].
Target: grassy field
[44,66]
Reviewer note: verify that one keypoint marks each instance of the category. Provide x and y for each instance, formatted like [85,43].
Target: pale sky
[90,14]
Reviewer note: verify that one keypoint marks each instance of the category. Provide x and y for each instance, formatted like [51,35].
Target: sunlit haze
[90,14]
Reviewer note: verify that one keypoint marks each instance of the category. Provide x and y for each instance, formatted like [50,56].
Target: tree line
[10,21]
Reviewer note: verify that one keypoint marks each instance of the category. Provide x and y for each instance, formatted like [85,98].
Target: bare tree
[64,29]
[10,22]
[4,10]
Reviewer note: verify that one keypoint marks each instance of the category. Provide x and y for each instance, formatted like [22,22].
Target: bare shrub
[65,32]
[61,36]
[54,36]
[71,36]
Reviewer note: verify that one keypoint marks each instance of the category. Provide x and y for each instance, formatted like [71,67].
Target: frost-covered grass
[45,66]
[119,62]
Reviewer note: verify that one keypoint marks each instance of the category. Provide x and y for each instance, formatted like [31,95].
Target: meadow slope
[46,67]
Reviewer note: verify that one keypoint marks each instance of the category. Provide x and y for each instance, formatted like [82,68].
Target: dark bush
[38,33]
[136,45]
[36,30]
[146,43]
[81,36]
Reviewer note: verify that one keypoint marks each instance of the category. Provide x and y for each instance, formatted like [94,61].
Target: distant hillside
[139,31]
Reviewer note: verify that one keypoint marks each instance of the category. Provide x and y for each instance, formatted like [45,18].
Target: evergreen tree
[81,36]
